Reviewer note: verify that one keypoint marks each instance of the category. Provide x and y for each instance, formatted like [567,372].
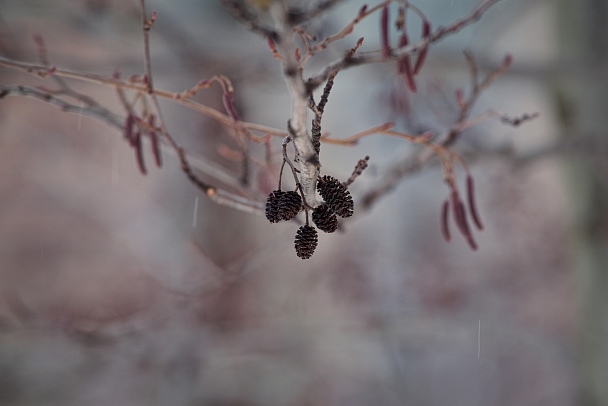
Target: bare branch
[359,168]
[306,154]
[376,57]
[177,97]
[298,16]
[248,19]
[94,111]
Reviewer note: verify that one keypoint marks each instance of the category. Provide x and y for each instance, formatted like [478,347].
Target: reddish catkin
[139,153]
[445,218]
[386,46]
[460,217]
[426,32]
[472,203]
[158,158]
[154,142]
[404,66]
[129,122]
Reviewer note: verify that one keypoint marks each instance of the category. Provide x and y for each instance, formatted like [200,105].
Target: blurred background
[118,288]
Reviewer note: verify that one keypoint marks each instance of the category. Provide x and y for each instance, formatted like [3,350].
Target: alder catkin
[336,196]
[290,204]
[324,218]
[272,206]
[306,241]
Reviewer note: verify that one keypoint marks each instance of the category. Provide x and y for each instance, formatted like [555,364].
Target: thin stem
[376,57]
[308,159]
[281,173]
[294,172]
[176,97]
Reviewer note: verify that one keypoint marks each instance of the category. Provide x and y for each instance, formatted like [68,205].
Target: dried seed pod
[324,218]
[290,204]
[306,241]
[272,206]
[336,196]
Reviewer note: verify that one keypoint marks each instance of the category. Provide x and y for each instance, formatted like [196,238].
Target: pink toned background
[114,291]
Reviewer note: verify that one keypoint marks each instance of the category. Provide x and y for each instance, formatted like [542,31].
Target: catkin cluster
[282,205]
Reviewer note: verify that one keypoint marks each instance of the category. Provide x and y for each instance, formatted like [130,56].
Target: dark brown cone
[272,206]
[324,218]
[336,196]
[290,204]
[306,241]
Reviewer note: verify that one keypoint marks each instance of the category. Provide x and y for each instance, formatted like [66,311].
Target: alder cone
[272,206]
[336,196]
[324,218]
[290,204]
[306,241]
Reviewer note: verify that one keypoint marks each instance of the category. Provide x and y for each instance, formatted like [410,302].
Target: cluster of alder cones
[282,205]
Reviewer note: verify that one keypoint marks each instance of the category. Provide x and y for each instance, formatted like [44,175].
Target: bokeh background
[123,289]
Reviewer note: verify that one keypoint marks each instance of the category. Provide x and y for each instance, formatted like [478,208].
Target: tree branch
[306,155]
[377,57]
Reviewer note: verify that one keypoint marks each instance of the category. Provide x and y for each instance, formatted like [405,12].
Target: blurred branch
[104,115]
[92,110]
[299,16]
[249,19]
[42,71]
[307,156]
[376,56]
[407,166]
[144,116]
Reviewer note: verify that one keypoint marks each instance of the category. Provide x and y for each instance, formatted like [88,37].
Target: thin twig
[376,57]
[363,13]
[308,159]
[248,19]
[298,16]
[105,116]
[42,71]
[94,111]
[359,168]
[477,87]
